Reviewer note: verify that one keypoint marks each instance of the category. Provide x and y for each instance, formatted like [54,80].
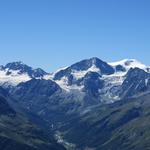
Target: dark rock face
[35,93]
[17,66]
[92,83]
[137,81]
[22,68]
[3,92]
[9,144]
[37,73]
[5,108]
[120,68]
[85,65]
[37,87]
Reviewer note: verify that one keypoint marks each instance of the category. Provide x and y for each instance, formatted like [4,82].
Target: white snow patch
[63,83]
[116,78]
[146,82]
[129,63]
[14,78]
[49,76]
[81,74]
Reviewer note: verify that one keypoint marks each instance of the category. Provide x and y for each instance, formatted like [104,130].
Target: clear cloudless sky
[56,33]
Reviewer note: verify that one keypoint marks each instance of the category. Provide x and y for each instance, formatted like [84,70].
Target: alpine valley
[90,105]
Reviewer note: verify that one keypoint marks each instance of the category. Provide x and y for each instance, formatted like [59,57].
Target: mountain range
[90,105]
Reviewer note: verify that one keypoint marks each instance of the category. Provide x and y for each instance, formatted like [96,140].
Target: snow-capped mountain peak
[81,68]
[127,64]
[22,68]
[14,65]
[92,77]
[16,72]
[110,76]
[72,76]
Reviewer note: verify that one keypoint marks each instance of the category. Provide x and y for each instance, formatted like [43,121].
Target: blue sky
[56,33]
